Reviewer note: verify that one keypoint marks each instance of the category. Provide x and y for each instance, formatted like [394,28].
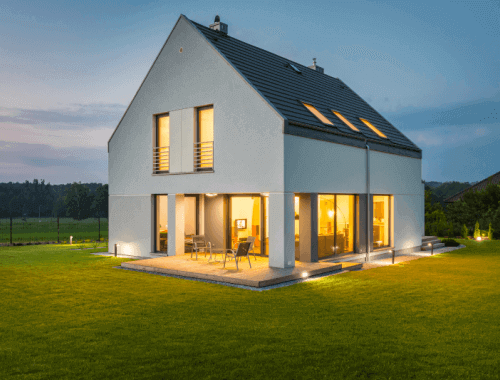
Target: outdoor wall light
[211,194]
[264,194]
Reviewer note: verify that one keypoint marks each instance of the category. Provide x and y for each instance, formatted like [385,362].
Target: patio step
[349,266]
[426,240]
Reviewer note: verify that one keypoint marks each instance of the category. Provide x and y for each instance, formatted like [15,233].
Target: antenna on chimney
[219,26]
[317,68]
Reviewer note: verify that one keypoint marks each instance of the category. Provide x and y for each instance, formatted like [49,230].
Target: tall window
[381,221]
[204,144]
[161,223]
[336,218]
[161,156]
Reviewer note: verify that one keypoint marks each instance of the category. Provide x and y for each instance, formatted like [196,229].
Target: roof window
[318,114]
[345,121]
[373,128]
[295,69]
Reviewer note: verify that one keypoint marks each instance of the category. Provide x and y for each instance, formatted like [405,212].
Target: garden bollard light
[116,249]
[70,240]
[393,253]
[432,248]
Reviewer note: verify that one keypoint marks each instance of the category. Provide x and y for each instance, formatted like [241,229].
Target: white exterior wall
[248,135]
[130,221]
[324,167]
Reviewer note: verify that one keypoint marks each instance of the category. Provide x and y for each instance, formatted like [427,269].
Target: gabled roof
[492,179]
[286,90]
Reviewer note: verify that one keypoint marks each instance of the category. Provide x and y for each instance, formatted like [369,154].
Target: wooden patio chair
[241,251]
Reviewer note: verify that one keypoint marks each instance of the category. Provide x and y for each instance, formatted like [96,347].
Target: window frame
[197,135]
[157,139]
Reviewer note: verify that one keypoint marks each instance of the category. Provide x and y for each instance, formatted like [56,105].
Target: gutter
[367,258]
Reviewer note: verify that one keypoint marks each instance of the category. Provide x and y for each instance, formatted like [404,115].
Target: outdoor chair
[200,245]
[251,240]
[241,251]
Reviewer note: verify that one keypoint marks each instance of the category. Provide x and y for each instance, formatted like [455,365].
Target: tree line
[476,211]
[75,200]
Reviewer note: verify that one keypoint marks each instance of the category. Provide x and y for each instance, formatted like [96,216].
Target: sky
[69,69]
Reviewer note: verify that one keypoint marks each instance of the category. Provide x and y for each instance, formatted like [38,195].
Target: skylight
[373,128]
[318,114]
[295,68]
[345,121]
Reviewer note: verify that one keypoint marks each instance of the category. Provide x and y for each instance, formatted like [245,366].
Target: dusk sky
[68,70]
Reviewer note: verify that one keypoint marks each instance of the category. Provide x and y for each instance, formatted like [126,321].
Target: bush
[465,232]
[450,243]
[490,233]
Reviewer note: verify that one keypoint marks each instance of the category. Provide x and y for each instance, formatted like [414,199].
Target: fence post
[99,219]
[58,241]
[11,230]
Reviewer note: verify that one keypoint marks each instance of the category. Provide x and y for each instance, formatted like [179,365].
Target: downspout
[367,202]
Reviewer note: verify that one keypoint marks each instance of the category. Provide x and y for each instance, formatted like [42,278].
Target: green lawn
[69,314]
[31,230]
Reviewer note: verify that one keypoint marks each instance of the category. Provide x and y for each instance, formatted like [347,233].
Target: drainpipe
[367,202]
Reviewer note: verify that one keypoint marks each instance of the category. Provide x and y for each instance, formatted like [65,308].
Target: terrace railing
[203,155]
[161,159]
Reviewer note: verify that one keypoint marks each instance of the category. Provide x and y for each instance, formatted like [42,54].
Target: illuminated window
[373,128]
[381,221]
[318,114]
[336,224]
[161,157]
[161,223]
[345,121]
[204,145]
[245,220]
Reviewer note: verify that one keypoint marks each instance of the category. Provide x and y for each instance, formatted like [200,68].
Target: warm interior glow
[163,143]
[345,121]
[161,223]
[190,216]
[373,128]
[205,136]
[336,221]
[380,221]
[246,209]
[318,114]
[163,131]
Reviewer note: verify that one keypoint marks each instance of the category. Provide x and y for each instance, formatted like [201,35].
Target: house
[227,140]
[479,186]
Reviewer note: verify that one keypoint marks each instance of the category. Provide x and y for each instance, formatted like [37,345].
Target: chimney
[317,68]
[219,26]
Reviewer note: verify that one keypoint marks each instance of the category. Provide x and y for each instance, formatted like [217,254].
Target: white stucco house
[226,140]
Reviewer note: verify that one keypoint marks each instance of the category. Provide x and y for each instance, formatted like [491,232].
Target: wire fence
[14,231]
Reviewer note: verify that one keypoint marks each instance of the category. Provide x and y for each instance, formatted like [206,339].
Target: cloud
[74,116]
[21,161]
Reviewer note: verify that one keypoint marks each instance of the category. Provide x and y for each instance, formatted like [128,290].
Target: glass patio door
[245,220]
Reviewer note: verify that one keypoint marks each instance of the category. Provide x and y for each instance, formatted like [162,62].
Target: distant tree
[78,201]
[16,206]
[490,233]
[100,205]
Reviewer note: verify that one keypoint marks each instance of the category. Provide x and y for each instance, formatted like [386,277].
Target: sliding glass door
[336,224]
[245,220]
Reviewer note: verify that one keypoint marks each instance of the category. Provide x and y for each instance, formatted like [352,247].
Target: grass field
[70,314]
[31,230]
